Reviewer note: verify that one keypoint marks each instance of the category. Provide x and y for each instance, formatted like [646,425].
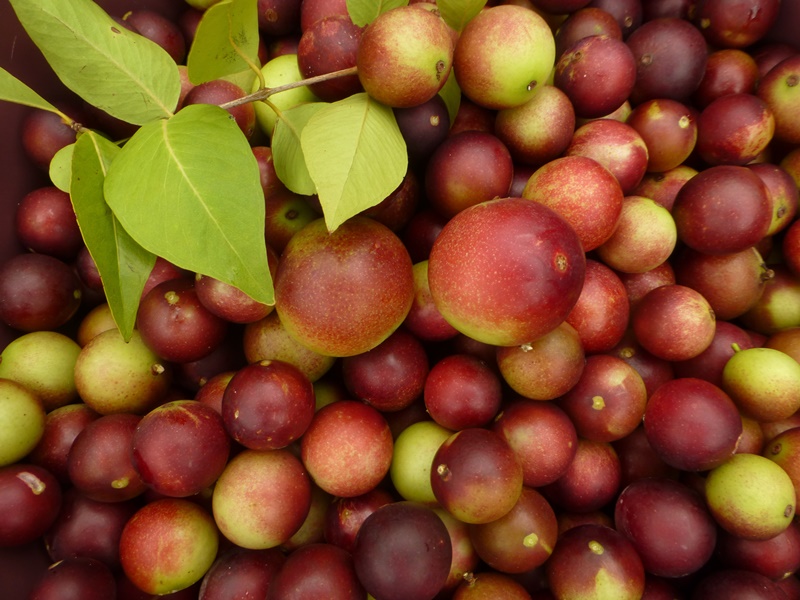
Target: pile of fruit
[440,299]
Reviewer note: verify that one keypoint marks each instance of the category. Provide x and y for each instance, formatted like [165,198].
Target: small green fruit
[751,497]
[279,71]
[44,362]
[414,450]
[22,420]
[764,383]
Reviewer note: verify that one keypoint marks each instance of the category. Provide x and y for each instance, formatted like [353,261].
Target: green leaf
[123,264]
[119,71]
[355,154]
[451,94]
[457,13]
[61,168]
[363,12]
[13,90]
[227,33]
[287,153]
[189,189]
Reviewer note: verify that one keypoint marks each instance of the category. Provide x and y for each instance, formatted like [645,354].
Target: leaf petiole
[265,93]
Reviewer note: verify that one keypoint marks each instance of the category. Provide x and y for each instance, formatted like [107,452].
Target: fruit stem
[266,92]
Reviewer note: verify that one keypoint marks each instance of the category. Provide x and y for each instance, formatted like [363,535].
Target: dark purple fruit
[403,551]
[37,292]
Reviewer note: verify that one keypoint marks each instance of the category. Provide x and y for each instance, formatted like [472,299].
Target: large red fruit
[343,293]
[507,271]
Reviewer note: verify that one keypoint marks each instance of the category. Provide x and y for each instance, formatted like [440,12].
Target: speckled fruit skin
[593,561]
[262,498]
[507,271]
[343,293]
[582,191]
[348,448]
[751,497]
[502,55]
[779,89]
[405,56]
[168,545]
[723,209]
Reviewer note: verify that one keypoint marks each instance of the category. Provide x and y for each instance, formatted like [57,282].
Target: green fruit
[279,71]
[44,362]
[414,450]
[764,383]
[751,497]
[22,420]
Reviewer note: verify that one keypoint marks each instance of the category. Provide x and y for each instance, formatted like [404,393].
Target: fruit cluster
[560,360]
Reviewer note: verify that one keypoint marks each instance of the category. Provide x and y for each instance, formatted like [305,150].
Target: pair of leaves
[185,187]
[351,153]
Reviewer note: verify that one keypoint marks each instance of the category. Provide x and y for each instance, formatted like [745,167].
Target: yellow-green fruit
[279,71]
[44,362]
[502,55]
[115,376]
[751,497]
[22,420]
[764,383]
[404,56]
[414,450]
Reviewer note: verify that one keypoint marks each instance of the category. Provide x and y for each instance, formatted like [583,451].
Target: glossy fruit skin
[328,45]
[168,545]
[583,192]
[238,571]
[503,55]
[597,73]
[316,280]
[30,498]
[692,424]
[583,553]
[671,59]
[76,578]
[521,540]
[46,223]
[402,75]
[475,476]
[347,449]
[180,448]
[737,24]
[751,496]
[734,129]
[175,325]
[668,524]
[37,292]
[674,322]
[491,284]
[315,571]
[710,221]
[391,375]
[467,168]
[89,528]
[100,464]
[403,550]
[542,437]
[262,498]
